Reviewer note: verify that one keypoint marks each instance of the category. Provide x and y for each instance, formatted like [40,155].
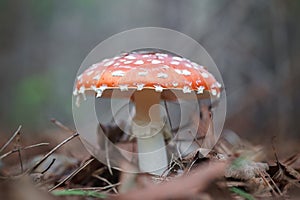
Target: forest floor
[57,166]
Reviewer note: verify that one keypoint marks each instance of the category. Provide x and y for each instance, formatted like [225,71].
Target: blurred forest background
[255,44]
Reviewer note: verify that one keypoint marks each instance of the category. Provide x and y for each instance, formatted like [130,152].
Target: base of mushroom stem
[152,154]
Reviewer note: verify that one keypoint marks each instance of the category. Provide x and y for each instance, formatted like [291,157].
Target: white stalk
[148,128]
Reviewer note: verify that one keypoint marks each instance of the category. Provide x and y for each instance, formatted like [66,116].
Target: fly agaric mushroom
[151,76]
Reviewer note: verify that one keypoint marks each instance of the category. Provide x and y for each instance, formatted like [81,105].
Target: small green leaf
[242,193]
[75,192]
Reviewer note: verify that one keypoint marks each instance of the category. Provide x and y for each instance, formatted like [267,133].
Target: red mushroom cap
[159,71]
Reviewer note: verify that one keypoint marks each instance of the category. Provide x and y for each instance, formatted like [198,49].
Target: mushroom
[150,76]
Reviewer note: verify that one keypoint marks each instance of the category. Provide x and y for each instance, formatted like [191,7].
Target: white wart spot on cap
[103,87]
[195,65]
[183,72]
[75,92]
[145,56]
[117,64]
[144,73]
[214,92]
[162,75]
[130,57]
[119,73]
[140,86]
[156,62]
[188,65]
[108,63]
[105,60]
[123,87]
[99,91]
[79,77]
[200,89]
[158,88]
[186,72]
[219,85]
[175,62]
[175,84]
[128,62]
[90,72]
[161,57]
[204,74]
[186,89]
[177,58]
[161,54]
[139,62]
[81,90]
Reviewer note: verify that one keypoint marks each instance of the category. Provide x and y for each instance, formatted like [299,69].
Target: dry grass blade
[275,191]
[292,159]
[51,152]
[72,174]
[22,148]
[110,185]
[18,148]
[11,139]
[61,125]
[107,157]
[52,162]
[181,187]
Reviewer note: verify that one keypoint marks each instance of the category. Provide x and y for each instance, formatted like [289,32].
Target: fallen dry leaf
[180,187]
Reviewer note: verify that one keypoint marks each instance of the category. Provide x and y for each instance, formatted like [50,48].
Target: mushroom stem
[148,128]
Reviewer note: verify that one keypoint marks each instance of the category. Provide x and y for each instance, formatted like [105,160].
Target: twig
[191,165]
[35,145]
[61,125]
[262,175]
[187,140]
[72,174]
[112,186]
[292,159]
[50,152]
[170,167]
[11,138]
[107,156]
[52,162]
[100,170]
[196,139]
[168,114]
[87,188]
[18,148]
